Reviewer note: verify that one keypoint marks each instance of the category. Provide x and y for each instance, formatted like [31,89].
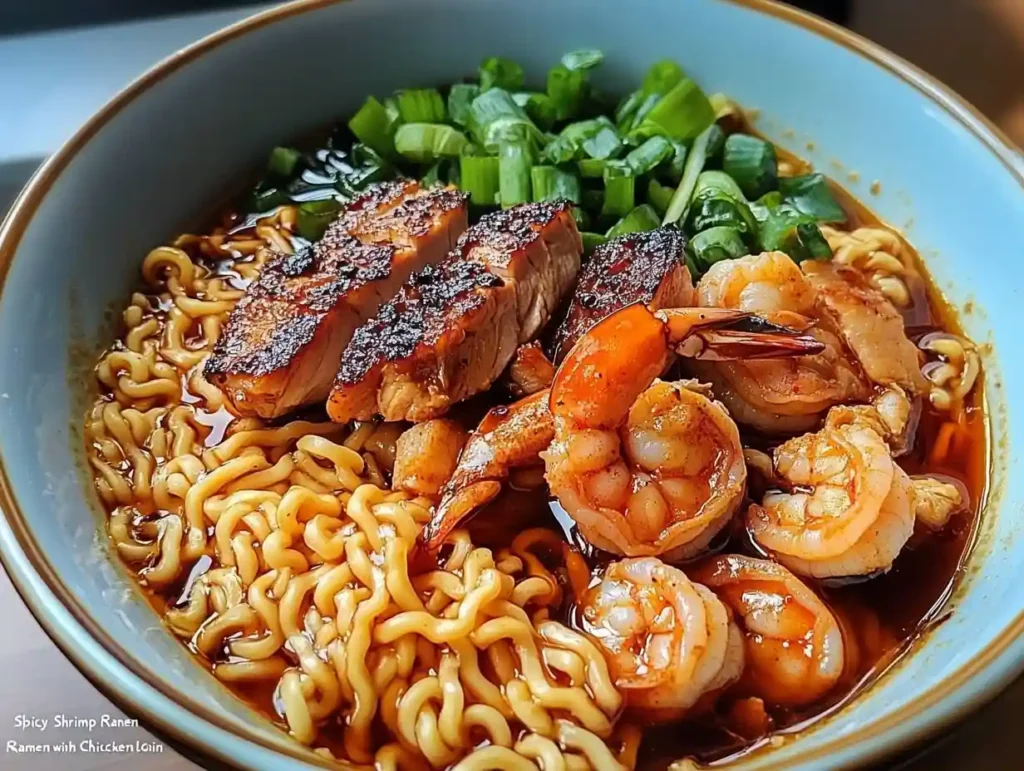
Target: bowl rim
[932,709]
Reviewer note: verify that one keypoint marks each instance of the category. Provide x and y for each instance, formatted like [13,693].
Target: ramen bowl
[156,159]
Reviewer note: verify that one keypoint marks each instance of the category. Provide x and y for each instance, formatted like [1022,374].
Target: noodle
[309,591]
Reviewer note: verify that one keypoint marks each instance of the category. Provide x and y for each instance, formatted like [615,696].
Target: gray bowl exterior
[160,162]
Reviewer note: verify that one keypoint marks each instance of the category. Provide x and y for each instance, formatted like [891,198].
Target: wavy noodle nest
[308,589]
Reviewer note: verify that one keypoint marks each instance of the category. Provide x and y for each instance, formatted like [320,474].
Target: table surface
[38,682]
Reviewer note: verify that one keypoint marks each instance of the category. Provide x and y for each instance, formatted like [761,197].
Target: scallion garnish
[662,77]
[592,240]
[426,142]
[283,161]
[603,144]
[373,127]
[514,163]
[626,110]
[568,145]
[591,168]
[715,208]
[480,177]
[810,194]
[551,183]
[691,171]
[498,72]
[682,113]
[584,59]
[460,97]
[651,153]
[567,90]
[787,230]
[659,196]
[814,241]
[642,218]
[495,117]
[539,107]
[751,162]
[717,244]
[619,190]
[421,105]
[313,217]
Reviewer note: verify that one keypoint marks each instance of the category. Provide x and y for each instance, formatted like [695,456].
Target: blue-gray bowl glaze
[160,158]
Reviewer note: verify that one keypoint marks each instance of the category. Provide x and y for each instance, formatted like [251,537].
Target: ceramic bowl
[156,160]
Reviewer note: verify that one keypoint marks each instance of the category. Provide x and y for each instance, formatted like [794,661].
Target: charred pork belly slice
[452,329]
[282,343]
[646,268]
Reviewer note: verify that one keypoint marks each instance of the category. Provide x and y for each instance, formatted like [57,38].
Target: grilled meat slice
[646,268]
[282,343]
[530,371]
[453,328]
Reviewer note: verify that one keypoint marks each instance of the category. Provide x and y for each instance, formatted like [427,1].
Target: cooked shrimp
[793,643]
[780,395]
[869,325]
[509,437]
[642,468]
[936,500]
[425,456]
[668,641]
[530,371]
[850,509]
[512,437]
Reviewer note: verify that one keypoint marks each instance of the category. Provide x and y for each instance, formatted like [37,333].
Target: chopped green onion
[591,168]
[674,169]
[498,72]
[682,113]
[626,110]
[814,241]
[691,171]
[566,88]
[373,127]
[592,240]
[581,217]
[716,143]
[717,244]
[460,98]
[718,181]
[619,190]
[751,162]
[642,218]
[662,77]
[283,161]
[603,144]
[421,105]
[539,107]
[763,206]
[568,145]
[551,183]
[495,118]
[514,163]
[426,142]
[647,156]
[261,200]
[659,196]
[714,208]
[313,217]
[810,194]
[787,230]
[480,177]
[584,59]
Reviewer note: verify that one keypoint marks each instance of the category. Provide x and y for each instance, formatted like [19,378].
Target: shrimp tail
[725,334]
[456,507]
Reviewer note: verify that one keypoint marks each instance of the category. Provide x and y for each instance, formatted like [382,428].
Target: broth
[879,617]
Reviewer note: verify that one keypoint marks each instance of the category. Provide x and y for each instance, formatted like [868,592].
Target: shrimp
[512,437]
[425,456]
[848,509]
[509,437]
[781,395]
[793,644]
[646,467]
[668,641]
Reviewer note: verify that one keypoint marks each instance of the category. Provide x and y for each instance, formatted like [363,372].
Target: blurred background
[61,59]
